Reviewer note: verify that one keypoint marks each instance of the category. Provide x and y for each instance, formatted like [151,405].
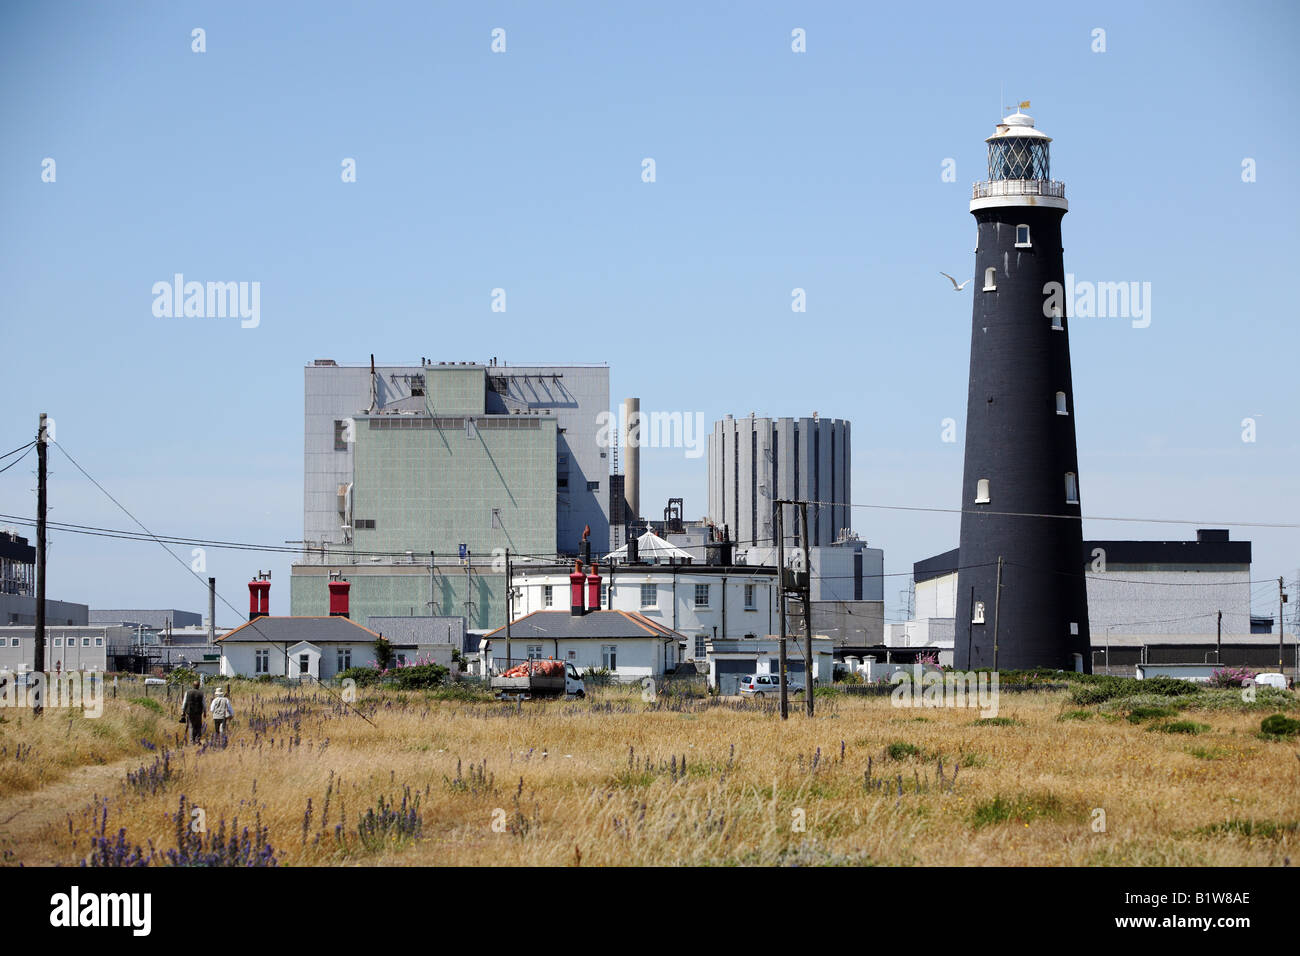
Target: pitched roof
[550,625]
[291,630]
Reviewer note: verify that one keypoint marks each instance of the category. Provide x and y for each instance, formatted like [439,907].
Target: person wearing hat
[221,711]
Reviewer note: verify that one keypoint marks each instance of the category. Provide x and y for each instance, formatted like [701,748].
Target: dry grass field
[304,780]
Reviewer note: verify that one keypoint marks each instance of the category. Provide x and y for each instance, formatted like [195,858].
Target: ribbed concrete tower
[1020,491]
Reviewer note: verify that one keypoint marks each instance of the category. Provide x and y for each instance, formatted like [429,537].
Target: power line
[252,623]
[16,460]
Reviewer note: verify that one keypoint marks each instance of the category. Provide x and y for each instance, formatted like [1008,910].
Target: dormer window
[990,279]
[1022,236]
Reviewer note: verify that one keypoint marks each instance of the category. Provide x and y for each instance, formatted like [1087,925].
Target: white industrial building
[1147,601]
[66,648]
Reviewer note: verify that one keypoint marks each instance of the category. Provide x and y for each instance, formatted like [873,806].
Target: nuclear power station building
[755,462]
[1021,594]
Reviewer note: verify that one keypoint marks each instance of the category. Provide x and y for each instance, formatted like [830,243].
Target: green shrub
[1279,725]
[1075,715]
[899,750]
[364,676]
[183,676]
[995,722]
[148,703]
[417,676]
[1180,727]
[826,691]
[1138,714]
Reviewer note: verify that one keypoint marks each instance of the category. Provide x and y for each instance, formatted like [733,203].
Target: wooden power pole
[807,613]
[41,448]
[997,616]
[780,597]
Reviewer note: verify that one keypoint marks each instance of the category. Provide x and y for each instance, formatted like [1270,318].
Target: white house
[311,648]
[700,602]
[629,645]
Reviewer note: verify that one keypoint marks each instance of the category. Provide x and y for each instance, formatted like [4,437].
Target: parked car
[1271,680]
[764,685]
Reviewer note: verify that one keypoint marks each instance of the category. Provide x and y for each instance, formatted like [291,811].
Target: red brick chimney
[576,608]
[593,589]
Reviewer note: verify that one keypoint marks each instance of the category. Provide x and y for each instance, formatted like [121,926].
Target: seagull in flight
[955,286]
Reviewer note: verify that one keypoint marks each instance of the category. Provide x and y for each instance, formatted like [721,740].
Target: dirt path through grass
[24,817]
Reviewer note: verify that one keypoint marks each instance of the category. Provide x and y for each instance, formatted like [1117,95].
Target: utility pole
[1281,628]
[807,613]
[433,601]
[997,617]
[510,606]
[1218,640]
[780,596]
[41,448]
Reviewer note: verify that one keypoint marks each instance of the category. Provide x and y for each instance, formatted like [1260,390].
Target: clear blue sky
[522,170]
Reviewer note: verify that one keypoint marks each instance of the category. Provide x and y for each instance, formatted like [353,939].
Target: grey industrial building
[417,479]
[753,462]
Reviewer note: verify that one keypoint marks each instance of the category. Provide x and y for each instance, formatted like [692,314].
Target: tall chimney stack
[632,455]
[212,610]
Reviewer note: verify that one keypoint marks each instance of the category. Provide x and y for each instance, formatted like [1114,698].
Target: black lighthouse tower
[1021,594]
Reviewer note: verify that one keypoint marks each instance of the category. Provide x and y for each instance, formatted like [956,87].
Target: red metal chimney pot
[339,598]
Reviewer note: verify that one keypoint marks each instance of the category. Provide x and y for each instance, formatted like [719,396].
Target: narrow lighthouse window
[1060,404]
[982,491]
[989,275]
[1022,236]
[1071,489]
[1056,319]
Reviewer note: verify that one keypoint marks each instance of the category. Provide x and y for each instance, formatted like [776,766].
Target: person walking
[192,712]
[221,711]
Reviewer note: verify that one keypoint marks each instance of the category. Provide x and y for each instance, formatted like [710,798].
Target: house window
[573,655]
[304,663]
[262,661]
[401,660]
[534,652]
[548,595]
[700,641]
[604,594]
[58,642]
[99,642]
[982,491]
[1022,236]
[1056,319]
[649,595]
[1060,404]
[990,275]
[13,642]
[701,595]
[978,616]
[609,656]
[593,486]
[749,597]
[344,655]
[1071,488]
[85,642]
